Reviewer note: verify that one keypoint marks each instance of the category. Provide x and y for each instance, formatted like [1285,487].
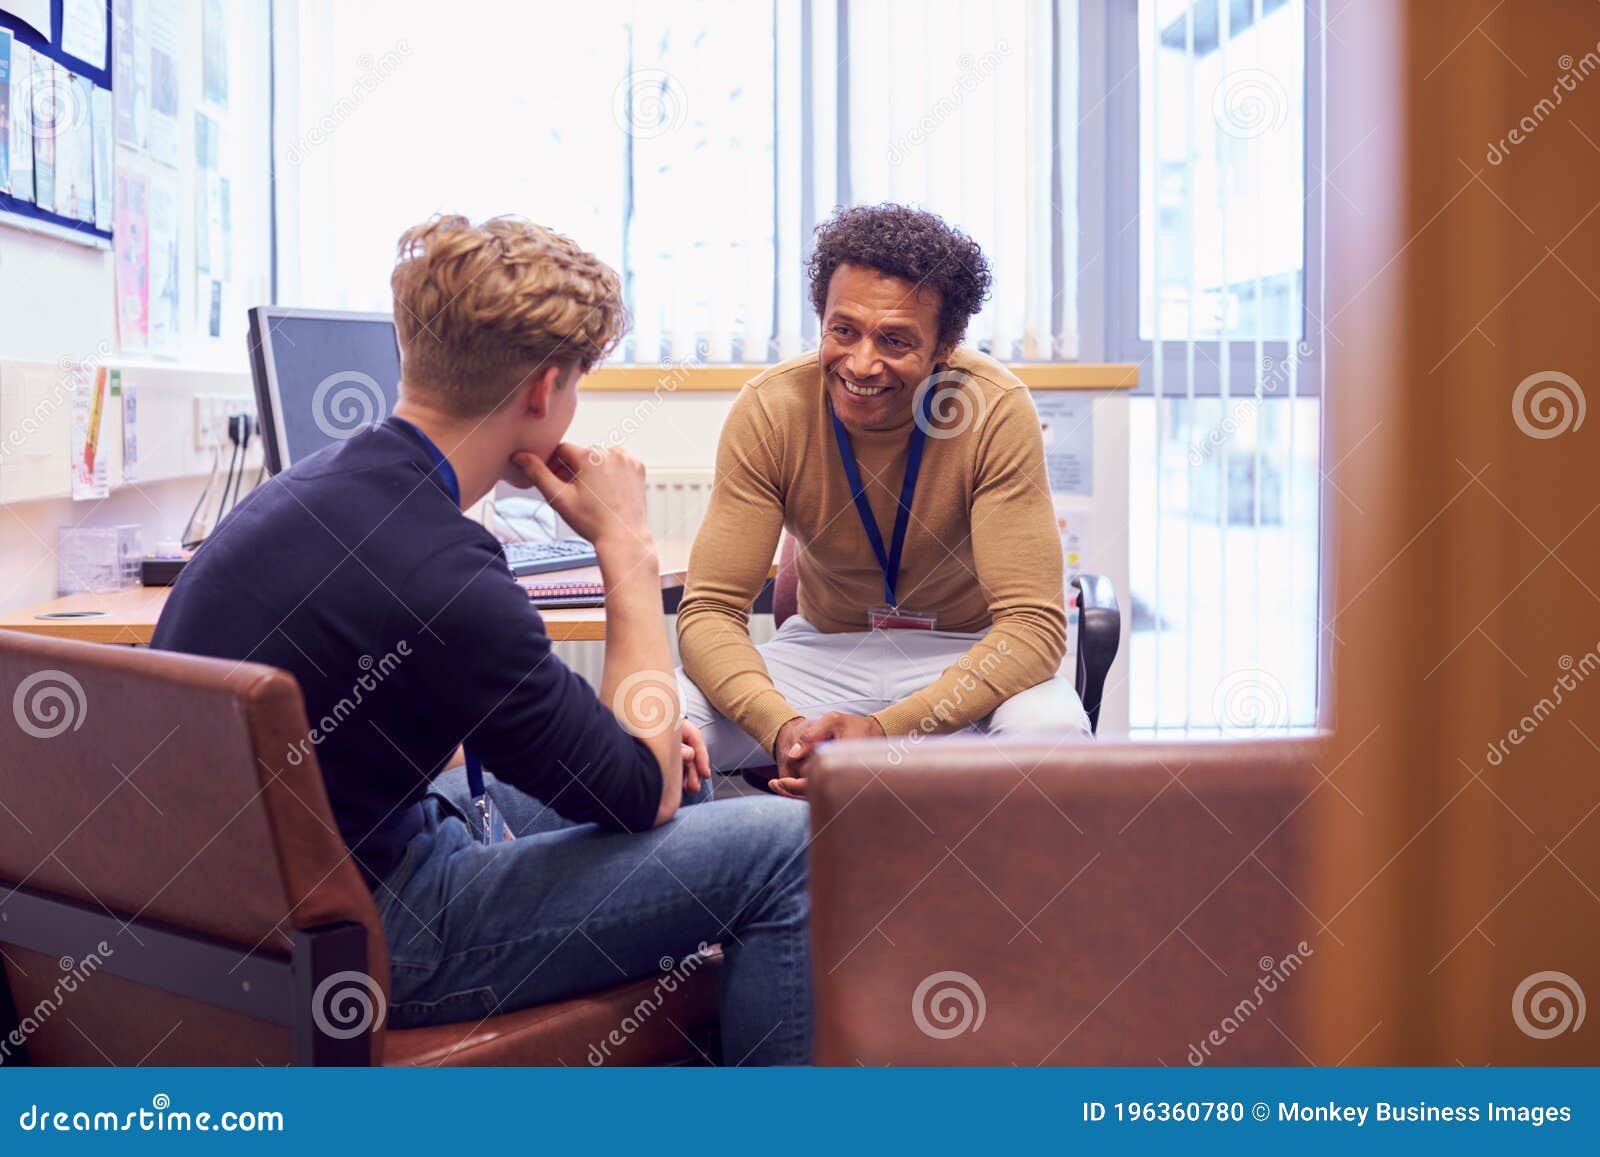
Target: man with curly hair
[910,472]
[558,861]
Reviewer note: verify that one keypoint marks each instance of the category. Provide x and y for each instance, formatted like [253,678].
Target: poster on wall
[44,137]
[130,46]
[214,53]
[131,242]
[130,428]
[164,129]
[83,31]
[21,133]
[164,264]
[1067,421]
[81,132]
[5,111]
[104,172]
[1073,524]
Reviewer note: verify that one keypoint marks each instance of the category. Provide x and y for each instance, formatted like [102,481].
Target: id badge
[885,618]
[492,828]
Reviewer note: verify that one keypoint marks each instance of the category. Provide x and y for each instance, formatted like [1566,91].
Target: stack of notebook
[558,594]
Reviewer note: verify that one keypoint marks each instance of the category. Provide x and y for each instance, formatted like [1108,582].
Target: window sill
[729,378]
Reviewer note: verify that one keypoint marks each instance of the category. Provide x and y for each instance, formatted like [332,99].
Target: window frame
[1110,287]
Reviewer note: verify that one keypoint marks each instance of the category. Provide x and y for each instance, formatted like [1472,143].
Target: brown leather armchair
[164,863]
[980,902]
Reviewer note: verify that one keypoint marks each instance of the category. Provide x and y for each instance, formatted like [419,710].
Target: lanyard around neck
[888,560]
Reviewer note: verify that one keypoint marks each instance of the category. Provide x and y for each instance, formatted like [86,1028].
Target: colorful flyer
[131,244]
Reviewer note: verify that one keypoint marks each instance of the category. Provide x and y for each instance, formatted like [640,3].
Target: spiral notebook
[556,594]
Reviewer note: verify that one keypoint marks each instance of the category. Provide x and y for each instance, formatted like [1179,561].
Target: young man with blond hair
[566,866]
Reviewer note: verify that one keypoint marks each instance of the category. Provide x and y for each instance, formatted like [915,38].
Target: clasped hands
[799,738]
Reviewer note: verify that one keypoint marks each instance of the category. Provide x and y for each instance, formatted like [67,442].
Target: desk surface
[129,616]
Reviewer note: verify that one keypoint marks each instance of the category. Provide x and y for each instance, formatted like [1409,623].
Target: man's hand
[600,492]
[798,738]
[696,763]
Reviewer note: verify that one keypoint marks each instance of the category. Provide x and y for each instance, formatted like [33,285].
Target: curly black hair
[908,243]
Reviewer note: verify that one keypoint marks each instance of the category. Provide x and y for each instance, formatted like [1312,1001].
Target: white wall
[57,308]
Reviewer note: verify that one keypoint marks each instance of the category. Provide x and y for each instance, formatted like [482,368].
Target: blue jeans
[565,909]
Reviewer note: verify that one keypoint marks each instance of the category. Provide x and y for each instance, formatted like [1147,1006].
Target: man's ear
[537,388]
[942,352]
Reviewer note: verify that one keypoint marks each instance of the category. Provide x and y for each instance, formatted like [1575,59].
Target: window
[693,147]
[1225,435]
[1140,172]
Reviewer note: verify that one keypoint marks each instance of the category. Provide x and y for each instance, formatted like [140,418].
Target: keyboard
[525,558]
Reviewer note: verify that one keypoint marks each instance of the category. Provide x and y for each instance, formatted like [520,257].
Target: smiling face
[880,339]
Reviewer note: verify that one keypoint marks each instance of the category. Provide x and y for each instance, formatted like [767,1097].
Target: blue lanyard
[888,560]
[447,475]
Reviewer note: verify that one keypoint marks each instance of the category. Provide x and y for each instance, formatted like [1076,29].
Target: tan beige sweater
[981,550]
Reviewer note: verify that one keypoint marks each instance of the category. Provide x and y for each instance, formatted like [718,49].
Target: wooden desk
[129,616]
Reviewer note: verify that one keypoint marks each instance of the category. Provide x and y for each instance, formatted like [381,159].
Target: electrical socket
[211,414]
[205,429]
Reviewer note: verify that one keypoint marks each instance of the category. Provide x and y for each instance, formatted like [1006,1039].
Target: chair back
[999,902]
[171,789]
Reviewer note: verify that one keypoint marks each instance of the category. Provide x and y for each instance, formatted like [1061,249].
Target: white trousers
[860,672]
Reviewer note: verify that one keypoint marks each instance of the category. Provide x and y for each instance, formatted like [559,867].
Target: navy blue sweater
[356,572]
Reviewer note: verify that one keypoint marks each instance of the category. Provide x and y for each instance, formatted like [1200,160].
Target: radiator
[677,501]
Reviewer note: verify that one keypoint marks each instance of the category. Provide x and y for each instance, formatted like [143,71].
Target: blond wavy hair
[481,308]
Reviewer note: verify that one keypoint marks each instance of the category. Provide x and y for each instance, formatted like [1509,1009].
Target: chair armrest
[1070,903]
[1099,636]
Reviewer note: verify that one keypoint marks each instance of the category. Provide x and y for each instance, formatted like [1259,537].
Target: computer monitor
[320,376]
